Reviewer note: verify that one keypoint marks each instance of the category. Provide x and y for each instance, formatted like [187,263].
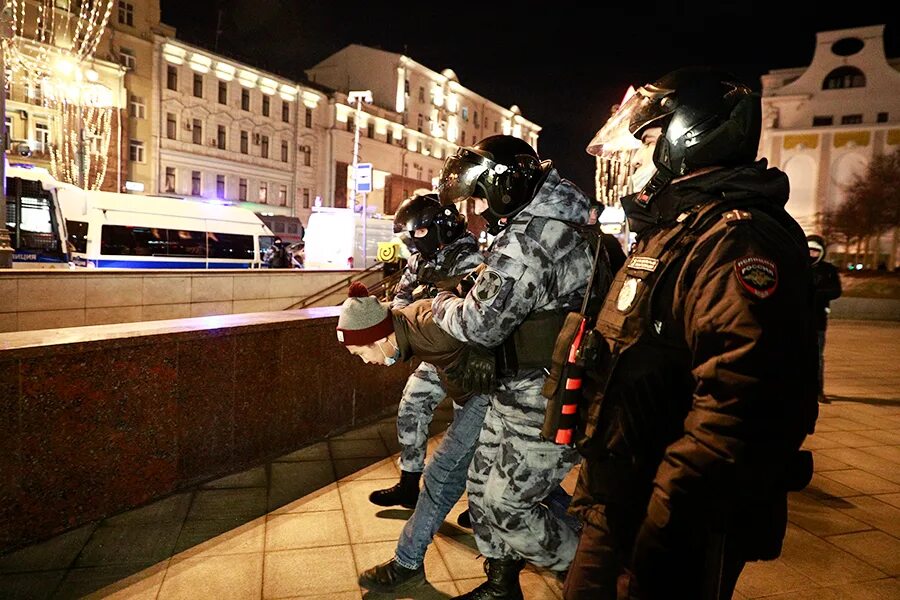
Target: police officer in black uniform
[705,383]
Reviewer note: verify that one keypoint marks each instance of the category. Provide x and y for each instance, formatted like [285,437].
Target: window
[223,92]
[307,156]
[282,195]
[171,126]
[496,126]
[126,13]
[220,137]
[308,118]
[263,191]
[285,112]
[370,130]
[305,197]
[170,180]
[851,119]
[351,123]
[172,77]
[264,150]
[465,113]
[197,130]
[882,117]
[245,143]
[284,151]
[245,99]
[420,122]
[265,105]
[136,151]
[9,128]
[77,231]
[822,121]
[220,187]
[421,94]
[137,108]
[126,58]
[242,189]
[844,77]
[230,245]
[198,85]
[42,135]
[475,118]
[195,183]
[485,121]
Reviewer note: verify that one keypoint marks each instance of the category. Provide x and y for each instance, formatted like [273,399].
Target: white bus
[53,223]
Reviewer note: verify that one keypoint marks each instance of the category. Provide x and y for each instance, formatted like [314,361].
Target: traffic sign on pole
[364,177]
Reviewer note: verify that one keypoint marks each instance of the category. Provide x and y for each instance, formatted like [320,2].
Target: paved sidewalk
[302,526]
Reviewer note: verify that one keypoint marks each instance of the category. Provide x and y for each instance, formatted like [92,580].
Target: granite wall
[97,420]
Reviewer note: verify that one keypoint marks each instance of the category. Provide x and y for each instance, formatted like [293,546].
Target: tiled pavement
[302,527]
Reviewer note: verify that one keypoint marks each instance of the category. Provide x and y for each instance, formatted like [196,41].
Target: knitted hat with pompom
[364,320]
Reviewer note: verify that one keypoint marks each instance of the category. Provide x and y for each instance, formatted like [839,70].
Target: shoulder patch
[488,285]
[757,275]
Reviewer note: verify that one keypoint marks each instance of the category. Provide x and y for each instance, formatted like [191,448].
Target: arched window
[844,77]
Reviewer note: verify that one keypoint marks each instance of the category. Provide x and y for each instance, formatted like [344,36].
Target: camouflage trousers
[422,393]
[512,471]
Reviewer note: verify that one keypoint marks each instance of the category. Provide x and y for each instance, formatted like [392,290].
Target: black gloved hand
[474,371]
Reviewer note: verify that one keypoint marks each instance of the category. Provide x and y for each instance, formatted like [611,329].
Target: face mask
[640,178]
[390,360]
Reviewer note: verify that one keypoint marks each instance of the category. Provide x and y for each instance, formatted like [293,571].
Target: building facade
[417,117]
[823,123]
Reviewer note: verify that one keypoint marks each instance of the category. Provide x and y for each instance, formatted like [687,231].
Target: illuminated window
[42,135]
[844,77]
[263,192]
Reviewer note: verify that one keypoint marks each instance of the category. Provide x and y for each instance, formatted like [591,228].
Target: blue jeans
[444,481]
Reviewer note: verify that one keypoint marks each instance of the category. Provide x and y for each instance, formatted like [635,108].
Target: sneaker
[391,577]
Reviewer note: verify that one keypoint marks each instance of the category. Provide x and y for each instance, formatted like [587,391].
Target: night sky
[561,65]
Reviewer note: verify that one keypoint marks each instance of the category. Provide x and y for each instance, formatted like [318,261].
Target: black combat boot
[502,581]
[405,493]
[391,577]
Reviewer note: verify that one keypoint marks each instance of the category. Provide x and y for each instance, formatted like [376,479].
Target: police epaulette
[736,216]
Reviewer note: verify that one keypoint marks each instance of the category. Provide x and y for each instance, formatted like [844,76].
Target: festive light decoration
[51,42]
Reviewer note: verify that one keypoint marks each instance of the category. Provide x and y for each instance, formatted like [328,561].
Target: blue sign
[364,177]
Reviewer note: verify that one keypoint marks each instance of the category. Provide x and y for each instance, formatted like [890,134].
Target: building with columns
[417,117]
[823,123]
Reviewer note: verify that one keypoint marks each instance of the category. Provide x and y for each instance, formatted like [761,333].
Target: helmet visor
[644,107]
[460,174]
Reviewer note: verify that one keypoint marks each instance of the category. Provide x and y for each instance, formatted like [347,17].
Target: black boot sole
[374,586]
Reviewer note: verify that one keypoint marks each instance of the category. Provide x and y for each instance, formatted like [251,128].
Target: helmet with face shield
[423,212]
[708,118]
[503,170]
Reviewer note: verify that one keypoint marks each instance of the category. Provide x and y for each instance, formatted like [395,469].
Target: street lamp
[359,97]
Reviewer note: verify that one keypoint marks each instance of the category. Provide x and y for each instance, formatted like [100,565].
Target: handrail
[334,287]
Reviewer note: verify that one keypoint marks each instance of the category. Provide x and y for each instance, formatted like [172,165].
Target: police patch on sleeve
[488,285]
[757,275]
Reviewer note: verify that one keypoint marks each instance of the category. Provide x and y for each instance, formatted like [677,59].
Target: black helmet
[423,211]
[502,169]
[708,119]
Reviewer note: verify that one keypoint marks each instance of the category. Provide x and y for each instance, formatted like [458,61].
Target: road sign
[364,177]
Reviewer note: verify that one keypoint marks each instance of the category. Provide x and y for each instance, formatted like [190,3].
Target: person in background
[277,255]
[827,287]
[703,388]
[383,335]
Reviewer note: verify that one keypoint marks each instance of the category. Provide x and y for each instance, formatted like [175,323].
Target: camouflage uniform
[424,390]
[536,264]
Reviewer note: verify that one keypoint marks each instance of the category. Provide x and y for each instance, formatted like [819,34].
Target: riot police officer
[444,252]
[537,269]
[705,387]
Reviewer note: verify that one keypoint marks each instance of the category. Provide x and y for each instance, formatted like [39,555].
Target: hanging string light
[51,41]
